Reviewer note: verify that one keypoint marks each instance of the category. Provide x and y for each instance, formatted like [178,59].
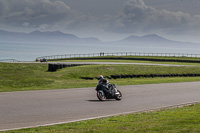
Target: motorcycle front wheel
[101,95]
[120,96]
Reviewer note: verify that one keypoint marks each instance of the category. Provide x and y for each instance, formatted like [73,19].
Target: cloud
[138,17]
[135,18]
[40,13]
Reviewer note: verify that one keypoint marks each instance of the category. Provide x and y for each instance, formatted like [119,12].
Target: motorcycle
[113,94]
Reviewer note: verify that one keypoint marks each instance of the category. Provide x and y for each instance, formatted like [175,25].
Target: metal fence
[118,54]
[9,60]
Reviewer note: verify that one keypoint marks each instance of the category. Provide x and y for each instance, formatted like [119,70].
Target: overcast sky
[104,19]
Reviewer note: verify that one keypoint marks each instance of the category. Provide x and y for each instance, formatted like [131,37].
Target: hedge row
[55,67]
[145,76]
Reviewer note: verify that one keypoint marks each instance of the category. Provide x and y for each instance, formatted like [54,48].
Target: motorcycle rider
[103,85]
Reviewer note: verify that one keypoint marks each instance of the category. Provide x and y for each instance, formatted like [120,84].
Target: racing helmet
[100,77]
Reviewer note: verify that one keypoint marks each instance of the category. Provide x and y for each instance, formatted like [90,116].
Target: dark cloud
[35,13]
[133,17]
[138,17]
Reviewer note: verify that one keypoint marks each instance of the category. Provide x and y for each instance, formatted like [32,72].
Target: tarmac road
[110,63]
[48,107]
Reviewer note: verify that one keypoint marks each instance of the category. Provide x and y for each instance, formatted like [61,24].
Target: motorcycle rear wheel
[120,96]
[101,95]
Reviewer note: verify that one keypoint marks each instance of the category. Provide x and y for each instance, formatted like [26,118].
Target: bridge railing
[118,54]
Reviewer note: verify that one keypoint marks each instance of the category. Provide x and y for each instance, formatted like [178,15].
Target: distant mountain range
[45,37]
[151,40]
[147,38]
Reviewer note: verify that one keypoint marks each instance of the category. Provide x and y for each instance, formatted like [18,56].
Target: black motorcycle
[112,94]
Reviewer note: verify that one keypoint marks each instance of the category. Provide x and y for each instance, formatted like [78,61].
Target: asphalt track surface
[49,107]
[109,63]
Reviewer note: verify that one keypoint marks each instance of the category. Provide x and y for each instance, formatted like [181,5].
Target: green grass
[15,77]
[177,120]
[130,61]
[20,77]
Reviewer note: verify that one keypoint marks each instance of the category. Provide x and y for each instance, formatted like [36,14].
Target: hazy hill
[45,37]
[152,40]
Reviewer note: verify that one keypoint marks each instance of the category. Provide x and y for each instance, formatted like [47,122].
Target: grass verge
[20,77]
[177,120]
[130,61]
[134,59]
